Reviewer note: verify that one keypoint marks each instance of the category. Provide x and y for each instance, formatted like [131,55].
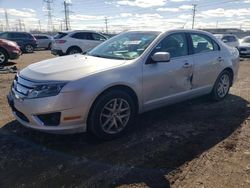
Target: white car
[245,47]
[72,42]
[229,39]
[131,73]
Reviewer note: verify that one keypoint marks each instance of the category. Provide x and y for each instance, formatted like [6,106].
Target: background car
[72,42]
[229,39]
[26,41]
[245,46]
[8,50]
[43,41]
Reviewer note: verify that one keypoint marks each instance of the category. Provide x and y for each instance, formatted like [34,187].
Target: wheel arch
[122,87]
[71,47]
[230,70]
[5,51]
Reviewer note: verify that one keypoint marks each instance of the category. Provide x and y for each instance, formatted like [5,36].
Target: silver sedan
[102,91]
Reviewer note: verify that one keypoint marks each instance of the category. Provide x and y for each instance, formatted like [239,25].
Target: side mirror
[161,57]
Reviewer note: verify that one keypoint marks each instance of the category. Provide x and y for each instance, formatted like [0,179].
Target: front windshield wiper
[102,56]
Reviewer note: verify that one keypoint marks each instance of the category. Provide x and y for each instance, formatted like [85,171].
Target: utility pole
[39,25]
[6,20]
[194,12]
[49,14]
[20,25]
[106,23]
[217,22]
[66,5]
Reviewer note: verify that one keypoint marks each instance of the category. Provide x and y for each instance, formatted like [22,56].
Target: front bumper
[14,55]
[27,112]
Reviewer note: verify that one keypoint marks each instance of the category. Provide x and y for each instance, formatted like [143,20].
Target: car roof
[73,31]
[41,35]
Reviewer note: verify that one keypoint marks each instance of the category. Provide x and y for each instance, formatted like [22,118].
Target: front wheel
[3,57]
[221,86]
[111,115]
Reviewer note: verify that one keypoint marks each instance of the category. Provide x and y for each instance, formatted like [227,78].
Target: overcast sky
[130,14]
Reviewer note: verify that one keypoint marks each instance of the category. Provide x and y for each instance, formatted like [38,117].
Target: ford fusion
[103,90]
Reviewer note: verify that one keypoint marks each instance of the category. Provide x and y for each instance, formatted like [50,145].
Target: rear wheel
[222,86]
[74,50]
[29,48]
[3,57]
[111,115]
[49,47]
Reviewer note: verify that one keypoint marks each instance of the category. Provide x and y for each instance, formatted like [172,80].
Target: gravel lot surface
[197,143]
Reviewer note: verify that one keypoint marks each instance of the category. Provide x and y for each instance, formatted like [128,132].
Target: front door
[168,82]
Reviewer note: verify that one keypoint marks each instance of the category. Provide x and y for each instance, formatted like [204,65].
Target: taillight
[60,41]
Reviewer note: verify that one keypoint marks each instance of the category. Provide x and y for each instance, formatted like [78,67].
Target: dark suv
[26,41]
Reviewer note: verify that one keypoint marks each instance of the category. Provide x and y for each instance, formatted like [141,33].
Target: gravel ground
[196,143]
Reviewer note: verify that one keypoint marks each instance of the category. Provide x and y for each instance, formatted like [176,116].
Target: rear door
[17,37]
[168,82]
[207,61]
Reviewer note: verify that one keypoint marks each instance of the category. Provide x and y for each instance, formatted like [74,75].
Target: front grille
[22,86]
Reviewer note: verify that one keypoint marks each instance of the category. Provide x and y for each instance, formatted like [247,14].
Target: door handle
[187,65]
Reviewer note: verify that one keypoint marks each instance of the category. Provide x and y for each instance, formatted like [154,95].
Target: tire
[221,86]
[3,57]
[29,48]
[49,47]
[107,122]
[73,50]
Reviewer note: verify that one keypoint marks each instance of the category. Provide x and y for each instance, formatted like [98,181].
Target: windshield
[126,46]
[246,40]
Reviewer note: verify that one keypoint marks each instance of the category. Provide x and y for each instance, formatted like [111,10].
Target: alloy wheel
[223,85]
[29,48]
[115,116]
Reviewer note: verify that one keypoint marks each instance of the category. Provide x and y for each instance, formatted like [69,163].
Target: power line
[106,24]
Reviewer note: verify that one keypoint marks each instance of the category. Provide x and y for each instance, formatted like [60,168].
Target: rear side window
[4,35]
[41,37]
[82,36]
[20,36]
[202,43]
[60,35]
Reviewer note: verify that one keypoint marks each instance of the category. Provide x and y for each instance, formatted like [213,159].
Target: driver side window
[175,44]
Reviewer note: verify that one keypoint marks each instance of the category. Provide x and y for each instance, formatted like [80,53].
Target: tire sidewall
[214,93]
[94,117]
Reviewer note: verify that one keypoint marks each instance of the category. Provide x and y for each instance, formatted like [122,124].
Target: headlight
[45,90]
[11,43]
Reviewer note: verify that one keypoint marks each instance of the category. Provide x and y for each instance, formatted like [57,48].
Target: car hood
[245,45]
[68,68]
